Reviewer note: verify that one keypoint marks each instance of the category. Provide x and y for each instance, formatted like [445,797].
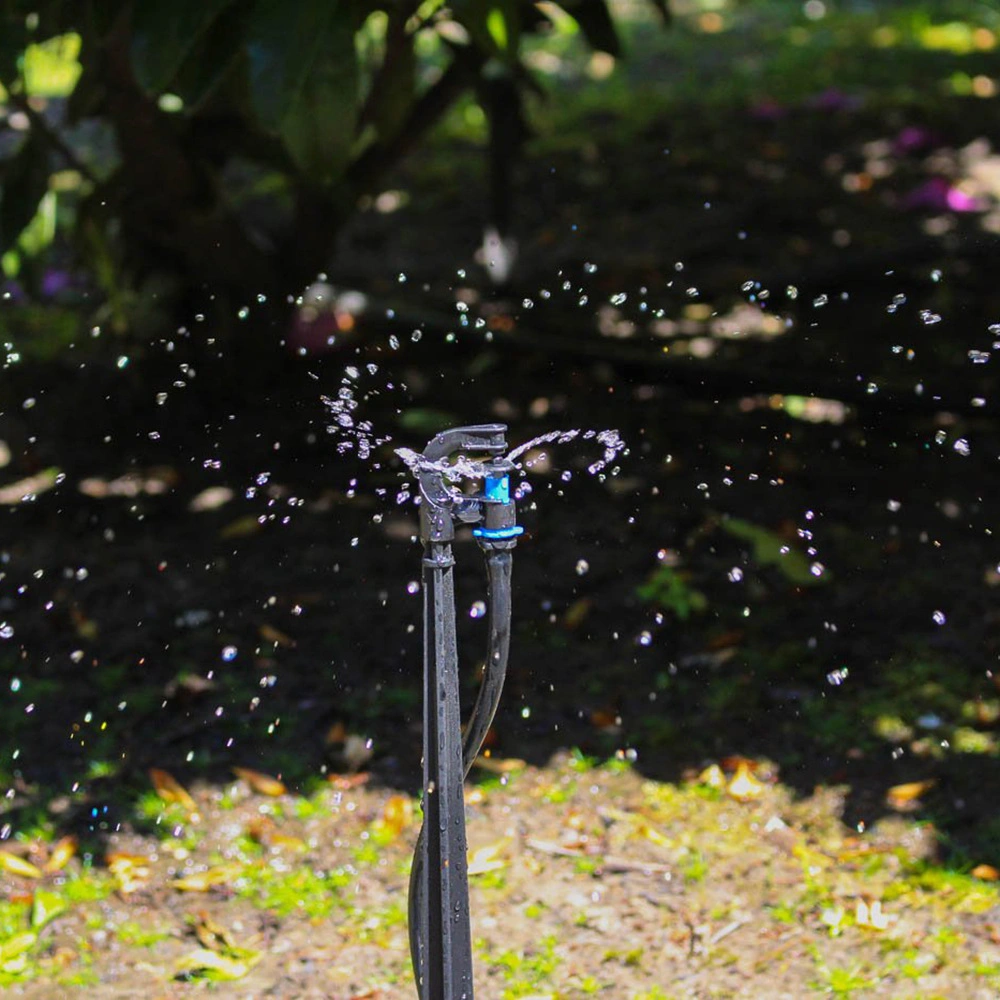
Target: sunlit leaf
[871,915]
[346,782]
[212,965]
[397,814]
[712,776]
[24,489]
[500,765]
[213,935]
[487,859]
[170,789]
[206,880]
[907,796]
[46,906]
[18,866]
[15,947]
[131,871]
[62,851]
[264,784]
[744,786]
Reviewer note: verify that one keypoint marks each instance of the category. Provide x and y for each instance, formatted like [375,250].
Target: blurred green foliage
[220,145]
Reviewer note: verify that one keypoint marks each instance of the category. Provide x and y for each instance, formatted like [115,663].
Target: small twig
[724,932]
[53,138]
[609,863]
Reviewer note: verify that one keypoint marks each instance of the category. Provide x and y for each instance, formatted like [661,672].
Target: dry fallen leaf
[871,915]
[345,782]
[212,935]
[986,872]
[206,880]
[498,765]
[170,789]
[712,776]
[743,786]
[397,814]
[131,871]
[577,612]
[62,851]
[271,634]
[203,961]
[241,527]
[264,784]
[18,866]
[906,797]
[487,859]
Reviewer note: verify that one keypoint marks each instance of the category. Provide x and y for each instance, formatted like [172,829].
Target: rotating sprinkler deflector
[440,935]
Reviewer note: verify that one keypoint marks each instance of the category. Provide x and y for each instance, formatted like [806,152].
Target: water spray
[440,933]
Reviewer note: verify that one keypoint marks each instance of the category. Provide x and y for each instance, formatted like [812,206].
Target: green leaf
[284,43]
[318,127]
[24,180]
[596,24]
[770,549]
[45,907]
[163,35]
[394,86]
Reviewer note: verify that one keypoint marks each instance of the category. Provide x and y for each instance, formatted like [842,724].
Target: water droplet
[645,638]
[962,447]
[412,587]
[979,357]
[820,301]
[229,653]
[122,361]
[582,567]
[243,313]
[477,610]
[929,318]
[939,617]
[6,631]
[416,335]
[735,574]
[394,342]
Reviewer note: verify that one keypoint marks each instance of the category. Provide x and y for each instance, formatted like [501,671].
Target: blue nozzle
[497,489]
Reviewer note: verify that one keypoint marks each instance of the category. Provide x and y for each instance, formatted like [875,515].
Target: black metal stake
[440,930]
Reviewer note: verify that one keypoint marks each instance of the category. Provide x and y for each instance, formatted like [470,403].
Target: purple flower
[940,195]
[55,281]
[833,99]
[912,139]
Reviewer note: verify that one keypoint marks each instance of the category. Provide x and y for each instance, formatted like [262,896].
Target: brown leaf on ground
[62,851]
[906,797]
[170,789]
[262,783]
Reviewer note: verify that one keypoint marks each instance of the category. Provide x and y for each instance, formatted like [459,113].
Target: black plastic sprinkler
[440,934]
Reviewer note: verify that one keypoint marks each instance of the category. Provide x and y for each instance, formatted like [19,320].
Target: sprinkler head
[440,505]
